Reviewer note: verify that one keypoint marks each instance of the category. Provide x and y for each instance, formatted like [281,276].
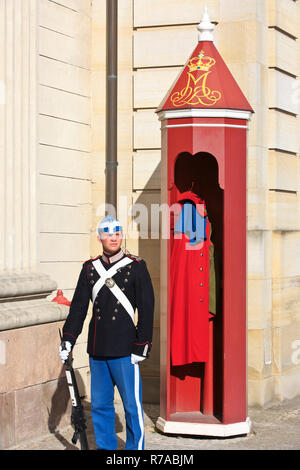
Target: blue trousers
[105,374]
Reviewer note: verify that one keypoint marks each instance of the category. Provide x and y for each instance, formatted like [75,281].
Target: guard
[117,283]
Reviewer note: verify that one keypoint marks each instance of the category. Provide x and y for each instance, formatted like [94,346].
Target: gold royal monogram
[196,90]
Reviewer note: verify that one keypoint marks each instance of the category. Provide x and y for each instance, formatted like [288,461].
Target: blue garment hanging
[191,223]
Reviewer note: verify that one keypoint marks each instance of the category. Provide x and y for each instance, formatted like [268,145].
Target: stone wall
[33,392]
[64,147]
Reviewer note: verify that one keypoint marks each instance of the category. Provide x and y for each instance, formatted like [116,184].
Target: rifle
[77,416]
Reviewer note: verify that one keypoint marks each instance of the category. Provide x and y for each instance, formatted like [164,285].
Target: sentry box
[204,119]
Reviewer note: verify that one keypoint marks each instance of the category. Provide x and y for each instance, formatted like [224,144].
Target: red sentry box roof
[205,82]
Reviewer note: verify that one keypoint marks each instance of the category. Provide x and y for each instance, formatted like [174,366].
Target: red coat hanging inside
[189,281]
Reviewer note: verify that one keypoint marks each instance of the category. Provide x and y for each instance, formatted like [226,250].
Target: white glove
[65,353]
[136,359]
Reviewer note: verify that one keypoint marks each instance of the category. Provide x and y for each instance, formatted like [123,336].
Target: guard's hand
[64,350]
[136,359]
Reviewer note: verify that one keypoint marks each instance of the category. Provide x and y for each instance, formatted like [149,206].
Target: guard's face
[110,241]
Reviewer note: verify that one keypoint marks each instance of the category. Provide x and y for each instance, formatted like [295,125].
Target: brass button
[92,274]
[123,288]
[128,272]
[113,318]
[98,310]
[92,282]
[115,310]
[125,280]
[98,317]
[92,267]
[118,302]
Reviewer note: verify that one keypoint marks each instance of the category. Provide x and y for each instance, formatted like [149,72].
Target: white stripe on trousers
[138,403]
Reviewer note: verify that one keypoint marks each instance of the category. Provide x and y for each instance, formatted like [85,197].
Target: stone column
[19,279]
[31,373]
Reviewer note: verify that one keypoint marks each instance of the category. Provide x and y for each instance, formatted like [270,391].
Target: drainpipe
[111,105]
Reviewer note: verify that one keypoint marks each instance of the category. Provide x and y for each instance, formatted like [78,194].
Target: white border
[204,429]
[211,113]
[138,404]
[204,125]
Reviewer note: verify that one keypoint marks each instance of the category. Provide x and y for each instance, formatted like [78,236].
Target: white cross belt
[115,289]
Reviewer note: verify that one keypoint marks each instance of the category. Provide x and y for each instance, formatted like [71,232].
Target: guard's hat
[109,225]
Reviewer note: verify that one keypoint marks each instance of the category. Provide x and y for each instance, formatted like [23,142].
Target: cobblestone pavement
[275,428]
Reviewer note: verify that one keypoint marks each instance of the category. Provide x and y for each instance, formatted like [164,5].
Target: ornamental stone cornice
[23,300]
[26,285]
[26,313]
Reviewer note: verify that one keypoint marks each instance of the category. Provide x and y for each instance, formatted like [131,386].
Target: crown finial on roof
[205,28]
